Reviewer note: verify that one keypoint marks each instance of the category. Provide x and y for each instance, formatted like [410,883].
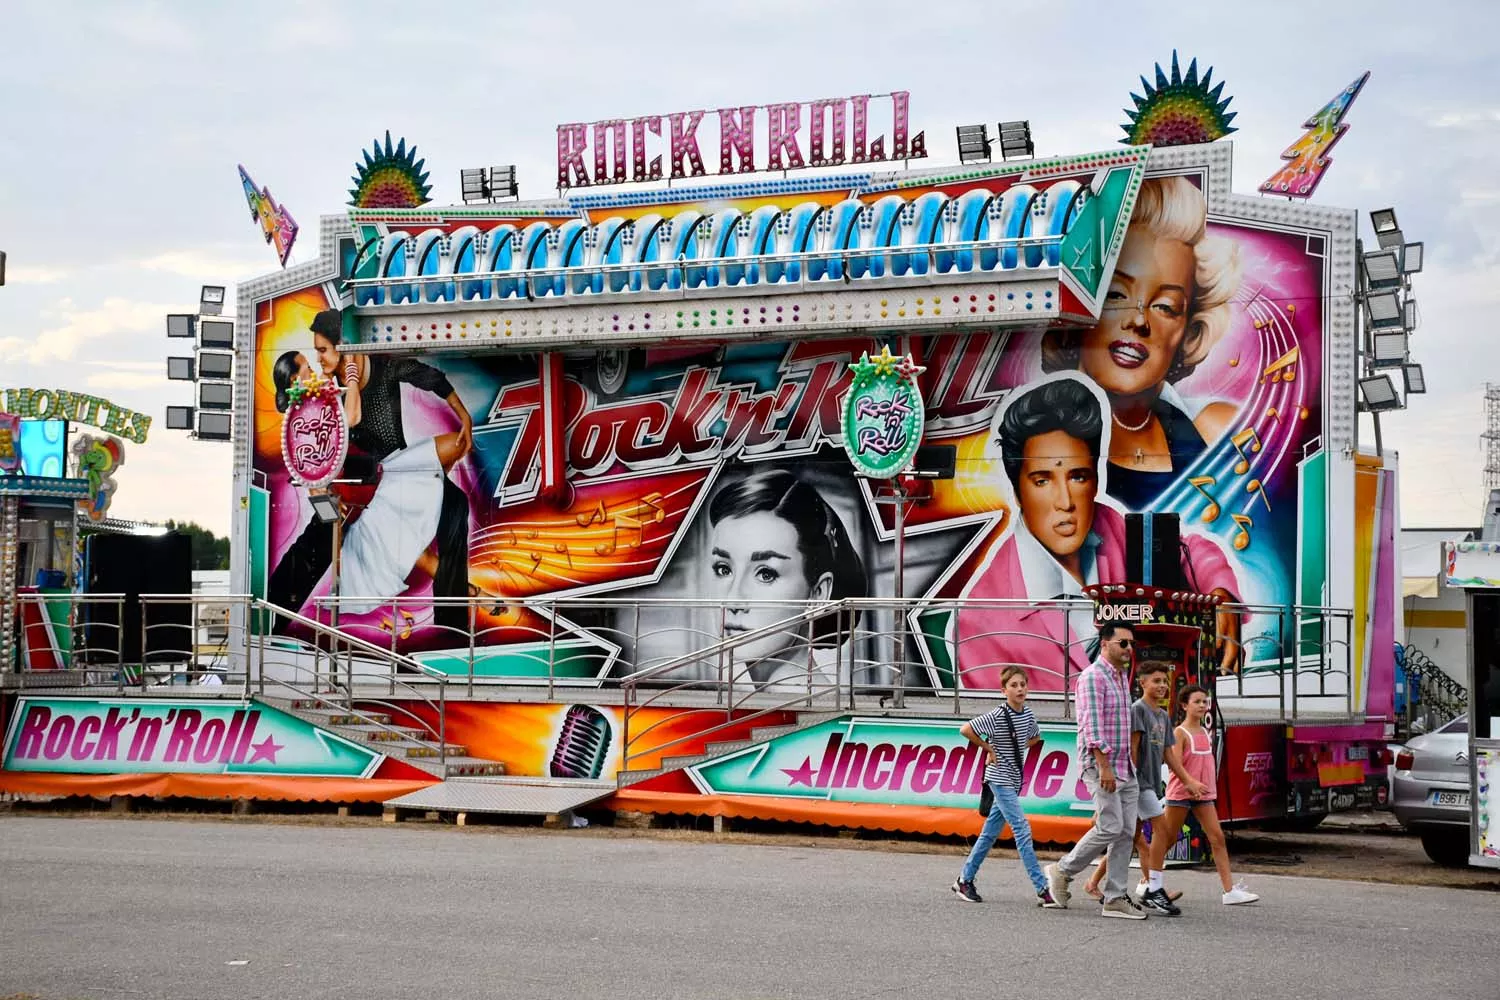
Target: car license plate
[1359,753]
[1450,799]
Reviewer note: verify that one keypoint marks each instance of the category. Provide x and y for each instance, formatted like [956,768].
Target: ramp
[517,796]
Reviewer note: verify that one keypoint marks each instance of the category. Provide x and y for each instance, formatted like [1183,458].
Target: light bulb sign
[314,436]
[832,131]
[883,414]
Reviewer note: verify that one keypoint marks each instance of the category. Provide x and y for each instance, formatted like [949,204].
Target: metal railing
[1432,697]
[729,658]
[681,274]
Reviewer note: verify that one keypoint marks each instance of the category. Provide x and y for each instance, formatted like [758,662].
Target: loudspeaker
[1153,550]
[132,565]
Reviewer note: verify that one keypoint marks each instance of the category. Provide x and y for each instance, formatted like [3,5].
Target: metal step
[726,747]
[634,777]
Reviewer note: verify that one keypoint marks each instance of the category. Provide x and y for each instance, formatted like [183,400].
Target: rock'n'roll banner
[883,414]
[121,736]
[314,436]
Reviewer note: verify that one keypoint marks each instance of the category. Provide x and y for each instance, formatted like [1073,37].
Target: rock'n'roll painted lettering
[75,735]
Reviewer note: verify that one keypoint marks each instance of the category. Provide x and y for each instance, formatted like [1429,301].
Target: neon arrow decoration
[276,223]
[1308,158]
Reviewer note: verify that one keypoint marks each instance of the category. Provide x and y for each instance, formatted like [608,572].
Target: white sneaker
[1239,894]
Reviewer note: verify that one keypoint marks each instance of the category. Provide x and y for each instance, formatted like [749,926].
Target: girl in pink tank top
[1194,750]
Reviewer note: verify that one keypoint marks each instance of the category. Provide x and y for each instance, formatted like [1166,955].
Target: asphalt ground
[94,907]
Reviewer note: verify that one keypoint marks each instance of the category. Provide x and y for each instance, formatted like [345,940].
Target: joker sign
[883,414]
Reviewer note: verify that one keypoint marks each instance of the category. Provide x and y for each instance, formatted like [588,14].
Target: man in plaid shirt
[1103,703]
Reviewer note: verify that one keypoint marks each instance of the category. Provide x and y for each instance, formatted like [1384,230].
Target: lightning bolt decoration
[1307,159]
[276,223]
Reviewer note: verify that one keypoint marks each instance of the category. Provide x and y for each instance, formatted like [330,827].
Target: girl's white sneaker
[1239,894]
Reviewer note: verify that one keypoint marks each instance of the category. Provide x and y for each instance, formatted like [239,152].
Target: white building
[1434,614]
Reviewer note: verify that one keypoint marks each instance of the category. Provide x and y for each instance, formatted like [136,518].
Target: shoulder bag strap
[1015,744]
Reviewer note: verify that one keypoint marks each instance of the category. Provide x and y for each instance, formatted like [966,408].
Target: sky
[123,123]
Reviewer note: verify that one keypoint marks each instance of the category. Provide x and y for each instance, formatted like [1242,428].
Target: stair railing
[732,695]
[266,615]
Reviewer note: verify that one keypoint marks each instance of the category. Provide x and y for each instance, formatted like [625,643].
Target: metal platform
[512,796]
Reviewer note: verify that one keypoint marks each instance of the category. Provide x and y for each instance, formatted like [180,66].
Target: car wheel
[1447,846]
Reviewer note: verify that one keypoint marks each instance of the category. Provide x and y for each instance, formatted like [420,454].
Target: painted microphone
[583,744]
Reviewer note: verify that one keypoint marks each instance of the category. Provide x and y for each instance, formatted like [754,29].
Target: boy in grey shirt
[1151,749]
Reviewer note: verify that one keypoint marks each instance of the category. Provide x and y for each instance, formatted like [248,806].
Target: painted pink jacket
[992,638]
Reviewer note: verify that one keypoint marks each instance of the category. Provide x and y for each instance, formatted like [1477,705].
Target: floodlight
[1384,309]
[215,395]
[180,369]
[215,425]
[503,183]
[1382,270]
[1391,349]
[181,324]
[1416,382]
[1015,140]
[215,364]
[1384,220]
[325,507]
[973,143]
[1409,314]
[472,183]
[1391,240]
[216,333]
[179,418]
[211,300]
[1379,393]
[1411,258]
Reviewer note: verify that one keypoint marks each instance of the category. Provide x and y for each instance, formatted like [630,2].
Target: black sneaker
[1157,902]
[965,891]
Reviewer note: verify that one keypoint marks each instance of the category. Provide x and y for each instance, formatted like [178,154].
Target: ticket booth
[1475,566]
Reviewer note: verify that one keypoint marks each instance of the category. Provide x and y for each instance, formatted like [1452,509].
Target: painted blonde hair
[1173,209]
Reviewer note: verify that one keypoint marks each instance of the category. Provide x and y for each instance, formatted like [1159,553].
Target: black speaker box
[1159,537]
[133,565]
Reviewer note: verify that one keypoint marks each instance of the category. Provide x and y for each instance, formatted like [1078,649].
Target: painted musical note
[536,561]
[1271,412]
[1244,437]
[1258,489]
[563,550]
[1242,536]
[608,548]
[1283,369]
[598,516]
[1212,511]
[647,510]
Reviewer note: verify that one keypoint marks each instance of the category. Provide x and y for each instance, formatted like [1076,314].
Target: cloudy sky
[123,123]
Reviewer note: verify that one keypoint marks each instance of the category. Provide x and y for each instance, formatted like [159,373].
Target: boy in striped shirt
[1003,734]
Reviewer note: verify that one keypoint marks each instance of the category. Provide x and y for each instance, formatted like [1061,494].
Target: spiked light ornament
[390,177]
[1179,111]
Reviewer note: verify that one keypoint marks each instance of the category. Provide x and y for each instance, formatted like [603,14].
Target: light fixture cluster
[210,366]
[1390,315]
[975,144]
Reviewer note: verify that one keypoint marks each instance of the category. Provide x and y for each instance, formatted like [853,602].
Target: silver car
[1430,791]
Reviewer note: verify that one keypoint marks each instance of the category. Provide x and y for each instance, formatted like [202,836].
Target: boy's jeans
[1007,809]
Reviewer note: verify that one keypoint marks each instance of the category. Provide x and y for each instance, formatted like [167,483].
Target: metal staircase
[347,686]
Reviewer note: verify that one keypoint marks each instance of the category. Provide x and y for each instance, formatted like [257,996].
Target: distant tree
[209,551]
